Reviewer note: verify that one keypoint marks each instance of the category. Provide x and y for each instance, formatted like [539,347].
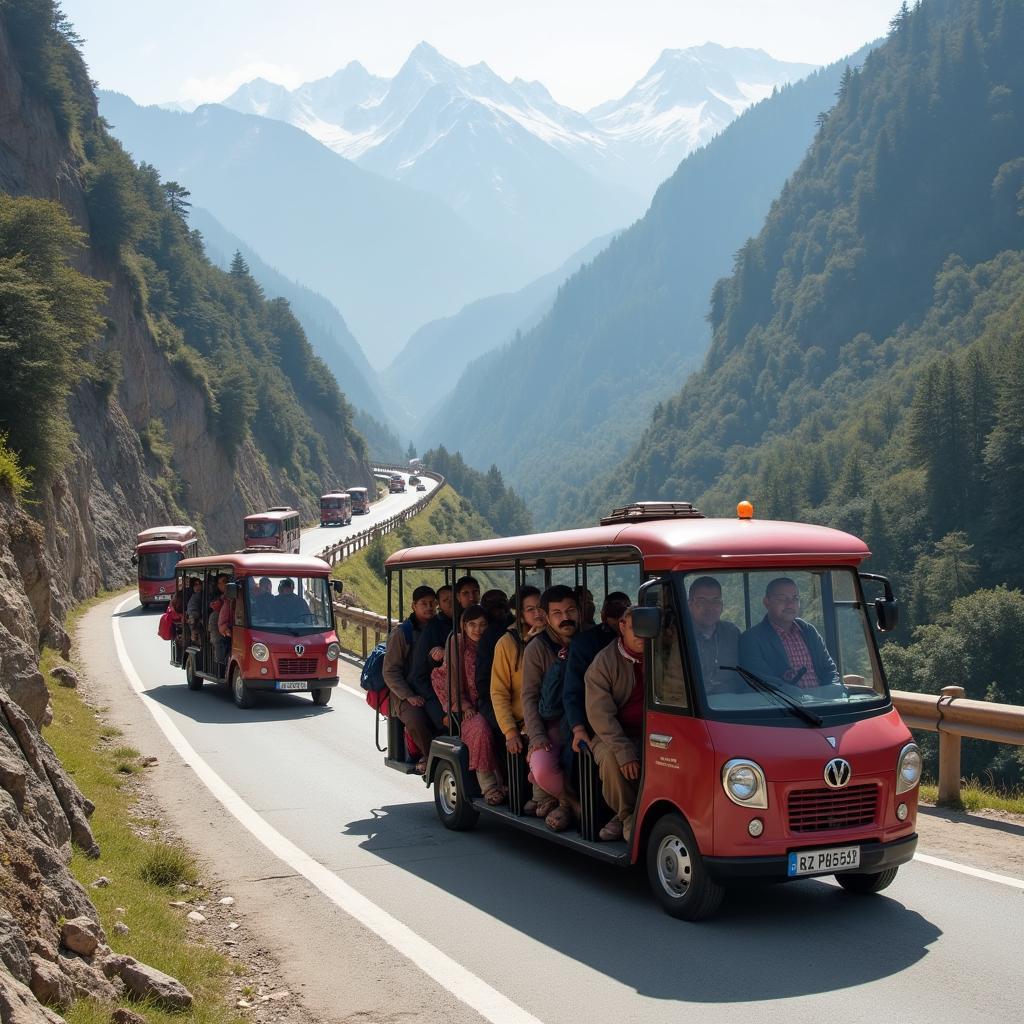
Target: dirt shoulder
[289,938]
[993,840]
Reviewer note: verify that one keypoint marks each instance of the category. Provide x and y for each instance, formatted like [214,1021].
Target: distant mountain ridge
[627,327]
[351,235]
[505,155]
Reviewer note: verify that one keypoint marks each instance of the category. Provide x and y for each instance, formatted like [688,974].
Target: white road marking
[964,869]
[460,982]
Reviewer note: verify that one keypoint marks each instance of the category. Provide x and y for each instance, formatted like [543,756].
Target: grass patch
[144,874]
[448,517]
[976,797]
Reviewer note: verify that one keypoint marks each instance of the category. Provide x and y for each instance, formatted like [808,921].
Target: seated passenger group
[545,680]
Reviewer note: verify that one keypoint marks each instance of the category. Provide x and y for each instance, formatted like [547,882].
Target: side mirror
[647,622]
[887,608]
[135,559]
[231,591]
[338,587]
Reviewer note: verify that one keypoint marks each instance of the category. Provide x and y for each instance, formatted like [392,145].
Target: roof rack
[648,511]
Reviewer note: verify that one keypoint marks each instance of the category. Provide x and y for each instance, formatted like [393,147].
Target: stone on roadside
[145,982]
[181,887]
[177,904]
[101,883]
[233,925]
[47,715]
[65,675]
[122,1015]
[120,928]
[81,935]
[227,901]
[49,984]
[196,918]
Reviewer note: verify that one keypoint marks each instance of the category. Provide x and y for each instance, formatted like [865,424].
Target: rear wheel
[241,693]
[676,871]
[453,808]
[195,682]
[864,885]
[322,696]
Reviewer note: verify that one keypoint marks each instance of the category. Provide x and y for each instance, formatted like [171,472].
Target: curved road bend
[540,934]
[315,540]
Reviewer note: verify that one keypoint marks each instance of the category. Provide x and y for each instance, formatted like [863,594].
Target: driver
[288,606]
[263,600]
[717,640]
[783,648]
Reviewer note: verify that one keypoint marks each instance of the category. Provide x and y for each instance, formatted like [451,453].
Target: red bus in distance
[277,529]
[157,551]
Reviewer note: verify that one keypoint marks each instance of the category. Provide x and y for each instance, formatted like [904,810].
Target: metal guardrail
[336,553]
[954,717]
[356,626]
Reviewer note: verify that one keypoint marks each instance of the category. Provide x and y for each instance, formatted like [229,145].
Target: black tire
[194,681]
[676,872]
[321,696]
[239,691]
[864,885]
[453,808]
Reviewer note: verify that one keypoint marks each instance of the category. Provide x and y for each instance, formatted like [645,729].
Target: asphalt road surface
[418,922]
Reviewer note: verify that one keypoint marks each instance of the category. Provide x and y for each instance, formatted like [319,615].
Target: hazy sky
[584,51]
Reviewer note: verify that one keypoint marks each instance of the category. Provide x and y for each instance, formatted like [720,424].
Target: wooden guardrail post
[949,752]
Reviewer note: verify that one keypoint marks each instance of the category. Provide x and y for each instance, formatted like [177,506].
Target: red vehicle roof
[170,544]
[255,563]
[663,544]
[182,533]
[276,514]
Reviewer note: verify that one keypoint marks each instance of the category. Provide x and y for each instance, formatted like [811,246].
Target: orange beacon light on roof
[744,510]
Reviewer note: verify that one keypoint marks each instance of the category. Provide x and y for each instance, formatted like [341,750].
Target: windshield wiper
[771,690]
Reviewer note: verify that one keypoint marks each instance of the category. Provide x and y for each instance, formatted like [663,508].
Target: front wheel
[676,871]
[453,808]
[241,693]
[864,885]
[195,681]
[321,696]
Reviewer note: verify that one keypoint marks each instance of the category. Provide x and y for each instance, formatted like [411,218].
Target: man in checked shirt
[783,648]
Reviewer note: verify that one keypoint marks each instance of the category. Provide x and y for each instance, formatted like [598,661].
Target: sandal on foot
[546,806]
[559,819]
[611,832]
[496,795]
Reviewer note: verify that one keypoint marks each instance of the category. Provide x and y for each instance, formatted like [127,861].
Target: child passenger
[474,728]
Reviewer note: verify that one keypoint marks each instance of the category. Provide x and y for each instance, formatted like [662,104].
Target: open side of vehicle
[744,776]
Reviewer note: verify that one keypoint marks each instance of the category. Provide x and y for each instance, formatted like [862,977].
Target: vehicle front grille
[296,666]
[821,810]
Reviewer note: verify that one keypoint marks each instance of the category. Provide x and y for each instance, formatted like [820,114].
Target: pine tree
[239,266]
[177,199]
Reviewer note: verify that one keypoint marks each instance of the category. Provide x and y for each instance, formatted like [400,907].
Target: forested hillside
[627,327]
[867,366]
[124,350]
[504,511]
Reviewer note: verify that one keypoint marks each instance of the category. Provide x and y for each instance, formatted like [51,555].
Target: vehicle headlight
[333,650]
[743,782]
[908,768]
[260,652]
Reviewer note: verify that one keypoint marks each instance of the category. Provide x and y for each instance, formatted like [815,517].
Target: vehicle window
[293,603]
[801,633]
[158,565]
[262,529]
[668,683]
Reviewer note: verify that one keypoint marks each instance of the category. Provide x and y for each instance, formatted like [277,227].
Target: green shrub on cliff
[48,310]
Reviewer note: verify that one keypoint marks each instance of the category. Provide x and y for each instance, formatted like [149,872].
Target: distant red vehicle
[396,485]
[745,774]
[335,509]
[277,529]
[360,500]
[157,552]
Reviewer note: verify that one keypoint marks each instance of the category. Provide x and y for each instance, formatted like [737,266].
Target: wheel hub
[448,791]
[675,869]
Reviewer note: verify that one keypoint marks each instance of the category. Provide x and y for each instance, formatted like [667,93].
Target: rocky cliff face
[78,540]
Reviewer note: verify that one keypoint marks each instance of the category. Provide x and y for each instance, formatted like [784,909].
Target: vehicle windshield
[261,529]
[331,503]
[798,636]
[298,604]
[158,565]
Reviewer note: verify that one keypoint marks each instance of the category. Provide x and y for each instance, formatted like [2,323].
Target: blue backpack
[550,703]
[372,677]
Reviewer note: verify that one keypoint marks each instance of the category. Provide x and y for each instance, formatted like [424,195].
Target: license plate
[293,684]
[162,597]
[823,862]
